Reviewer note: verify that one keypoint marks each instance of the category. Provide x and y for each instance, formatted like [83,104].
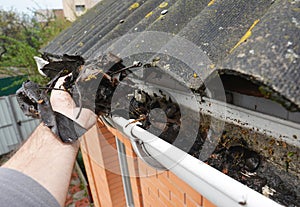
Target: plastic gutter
[125,173]
[280,129]
[215,186]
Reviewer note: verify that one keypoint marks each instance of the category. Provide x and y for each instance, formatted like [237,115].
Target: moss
[275,96]
[290,154]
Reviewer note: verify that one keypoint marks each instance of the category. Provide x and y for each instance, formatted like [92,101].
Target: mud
[93,85]
[232,156]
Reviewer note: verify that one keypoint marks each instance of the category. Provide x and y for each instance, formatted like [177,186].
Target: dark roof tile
[258,39]
[271,55]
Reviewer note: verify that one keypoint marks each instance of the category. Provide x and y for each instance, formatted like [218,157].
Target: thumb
[86,118]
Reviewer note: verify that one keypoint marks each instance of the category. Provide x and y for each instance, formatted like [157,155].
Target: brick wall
[150,187]
[106,185]
[165,189]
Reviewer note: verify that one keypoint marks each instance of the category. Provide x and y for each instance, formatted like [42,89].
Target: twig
[48,88]
[80,101]
[136,65]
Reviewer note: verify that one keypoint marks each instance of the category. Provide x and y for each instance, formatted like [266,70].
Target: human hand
[62,102]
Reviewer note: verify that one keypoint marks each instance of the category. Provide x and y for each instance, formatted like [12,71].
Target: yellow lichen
[90,77]
[211,2]
[134,6]
[296,9]
[149,14]
[195,75]
[160,17]
[246,35]
[163,5]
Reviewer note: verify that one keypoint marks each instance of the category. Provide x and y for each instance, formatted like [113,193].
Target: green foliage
[21,37]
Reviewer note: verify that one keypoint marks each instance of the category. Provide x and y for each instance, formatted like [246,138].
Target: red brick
[90,178]
[207,203]
[197,197]
[163,188]
[177,201]
[136,190]
[165,200]
[191,203]
[152,189]
[108,142]
[116,185]
[154,200]
[176,190]
[148,184]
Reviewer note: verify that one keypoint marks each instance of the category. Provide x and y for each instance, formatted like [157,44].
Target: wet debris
[267,191]
[35,102]
[92,85]
[234,158]
[166,125]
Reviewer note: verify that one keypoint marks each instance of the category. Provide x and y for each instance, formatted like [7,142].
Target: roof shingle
[258,40]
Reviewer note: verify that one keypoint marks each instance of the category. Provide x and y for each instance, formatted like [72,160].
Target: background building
[75,8]
[44,15]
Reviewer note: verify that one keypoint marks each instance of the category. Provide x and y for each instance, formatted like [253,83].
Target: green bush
[21,37]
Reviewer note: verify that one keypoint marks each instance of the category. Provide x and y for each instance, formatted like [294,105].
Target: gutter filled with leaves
[94,85]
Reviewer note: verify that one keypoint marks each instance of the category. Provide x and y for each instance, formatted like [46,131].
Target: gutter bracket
[136,143]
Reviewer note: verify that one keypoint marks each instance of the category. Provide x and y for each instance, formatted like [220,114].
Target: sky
[27,5]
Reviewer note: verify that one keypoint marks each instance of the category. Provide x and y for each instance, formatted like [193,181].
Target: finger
[59,83]
[63,103]
[86,118]
[61,100]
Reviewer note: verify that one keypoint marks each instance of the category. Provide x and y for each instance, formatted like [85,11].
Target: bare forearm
[44,157]
[47,160]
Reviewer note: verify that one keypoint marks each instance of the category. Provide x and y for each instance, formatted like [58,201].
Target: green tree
[21,37]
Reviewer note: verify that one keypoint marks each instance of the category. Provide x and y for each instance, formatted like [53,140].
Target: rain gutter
[215,186]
